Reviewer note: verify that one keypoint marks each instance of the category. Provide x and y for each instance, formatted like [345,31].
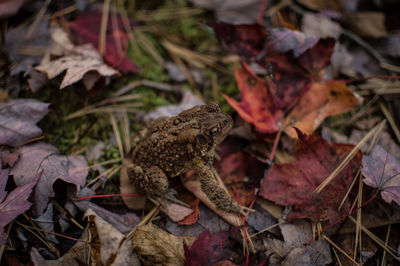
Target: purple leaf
[18,120]
[44,159]
[15,204]
[381,170]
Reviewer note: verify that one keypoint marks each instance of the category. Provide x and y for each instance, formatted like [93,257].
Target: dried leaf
[9,8]
[192,218]
[207,219]
[122,222]
[244,40]
[18,120]
[296,248]
[381,170]
[319,102]
[16,202]
[87,28]
[239,171]
[44,159]
[75,61]
[208,249]
[293,184]
[108,246]
[257,105]
[282,40]
[157,247]
[369,24]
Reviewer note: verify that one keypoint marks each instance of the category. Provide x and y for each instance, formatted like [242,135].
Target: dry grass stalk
[337,257]
[126,131]
[340,250]
[268,228]
[37,20]
[350,156]
[147,46]
[117,135]
[390,119]
[130,108]
[357,238]
[386,243]
[350,188]
[144,221]
[109,175]
[167,13]
[103,27]
[377,240]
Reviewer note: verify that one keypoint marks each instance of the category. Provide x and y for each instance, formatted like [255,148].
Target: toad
[175,145]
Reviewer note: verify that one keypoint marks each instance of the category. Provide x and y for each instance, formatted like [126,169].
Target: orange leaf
[192,218]
[319,102]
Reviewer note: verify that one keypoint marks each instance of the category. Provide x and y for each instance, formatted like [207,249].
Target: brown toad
[175,145]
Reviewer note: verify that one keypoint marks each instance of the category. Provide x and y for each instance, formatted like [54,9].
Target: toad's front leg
[215,192]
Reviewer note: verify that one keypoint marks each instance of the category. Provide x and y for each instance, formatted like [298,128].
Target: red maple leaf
[239,171]
[257,105]
[87,28]
[208,249]
[293,184]
[294,59]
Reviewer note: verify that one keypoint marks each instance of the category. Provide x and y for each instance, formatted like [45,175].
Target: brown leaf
[157,247]
[75,61]
[122,222]
[78,253]
[319,102]
[108,246]
[367,24]
[293,184]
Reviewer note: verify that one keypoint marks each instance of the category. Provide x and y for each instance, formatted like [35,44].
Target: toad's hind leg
[153,182]
[150,180]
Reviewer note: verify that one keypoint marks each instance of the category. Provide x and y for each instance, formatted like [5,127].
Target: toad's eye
[214,130]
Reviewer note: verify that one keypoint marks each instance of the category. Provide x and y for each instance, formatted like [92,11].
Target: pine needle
[350,156]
